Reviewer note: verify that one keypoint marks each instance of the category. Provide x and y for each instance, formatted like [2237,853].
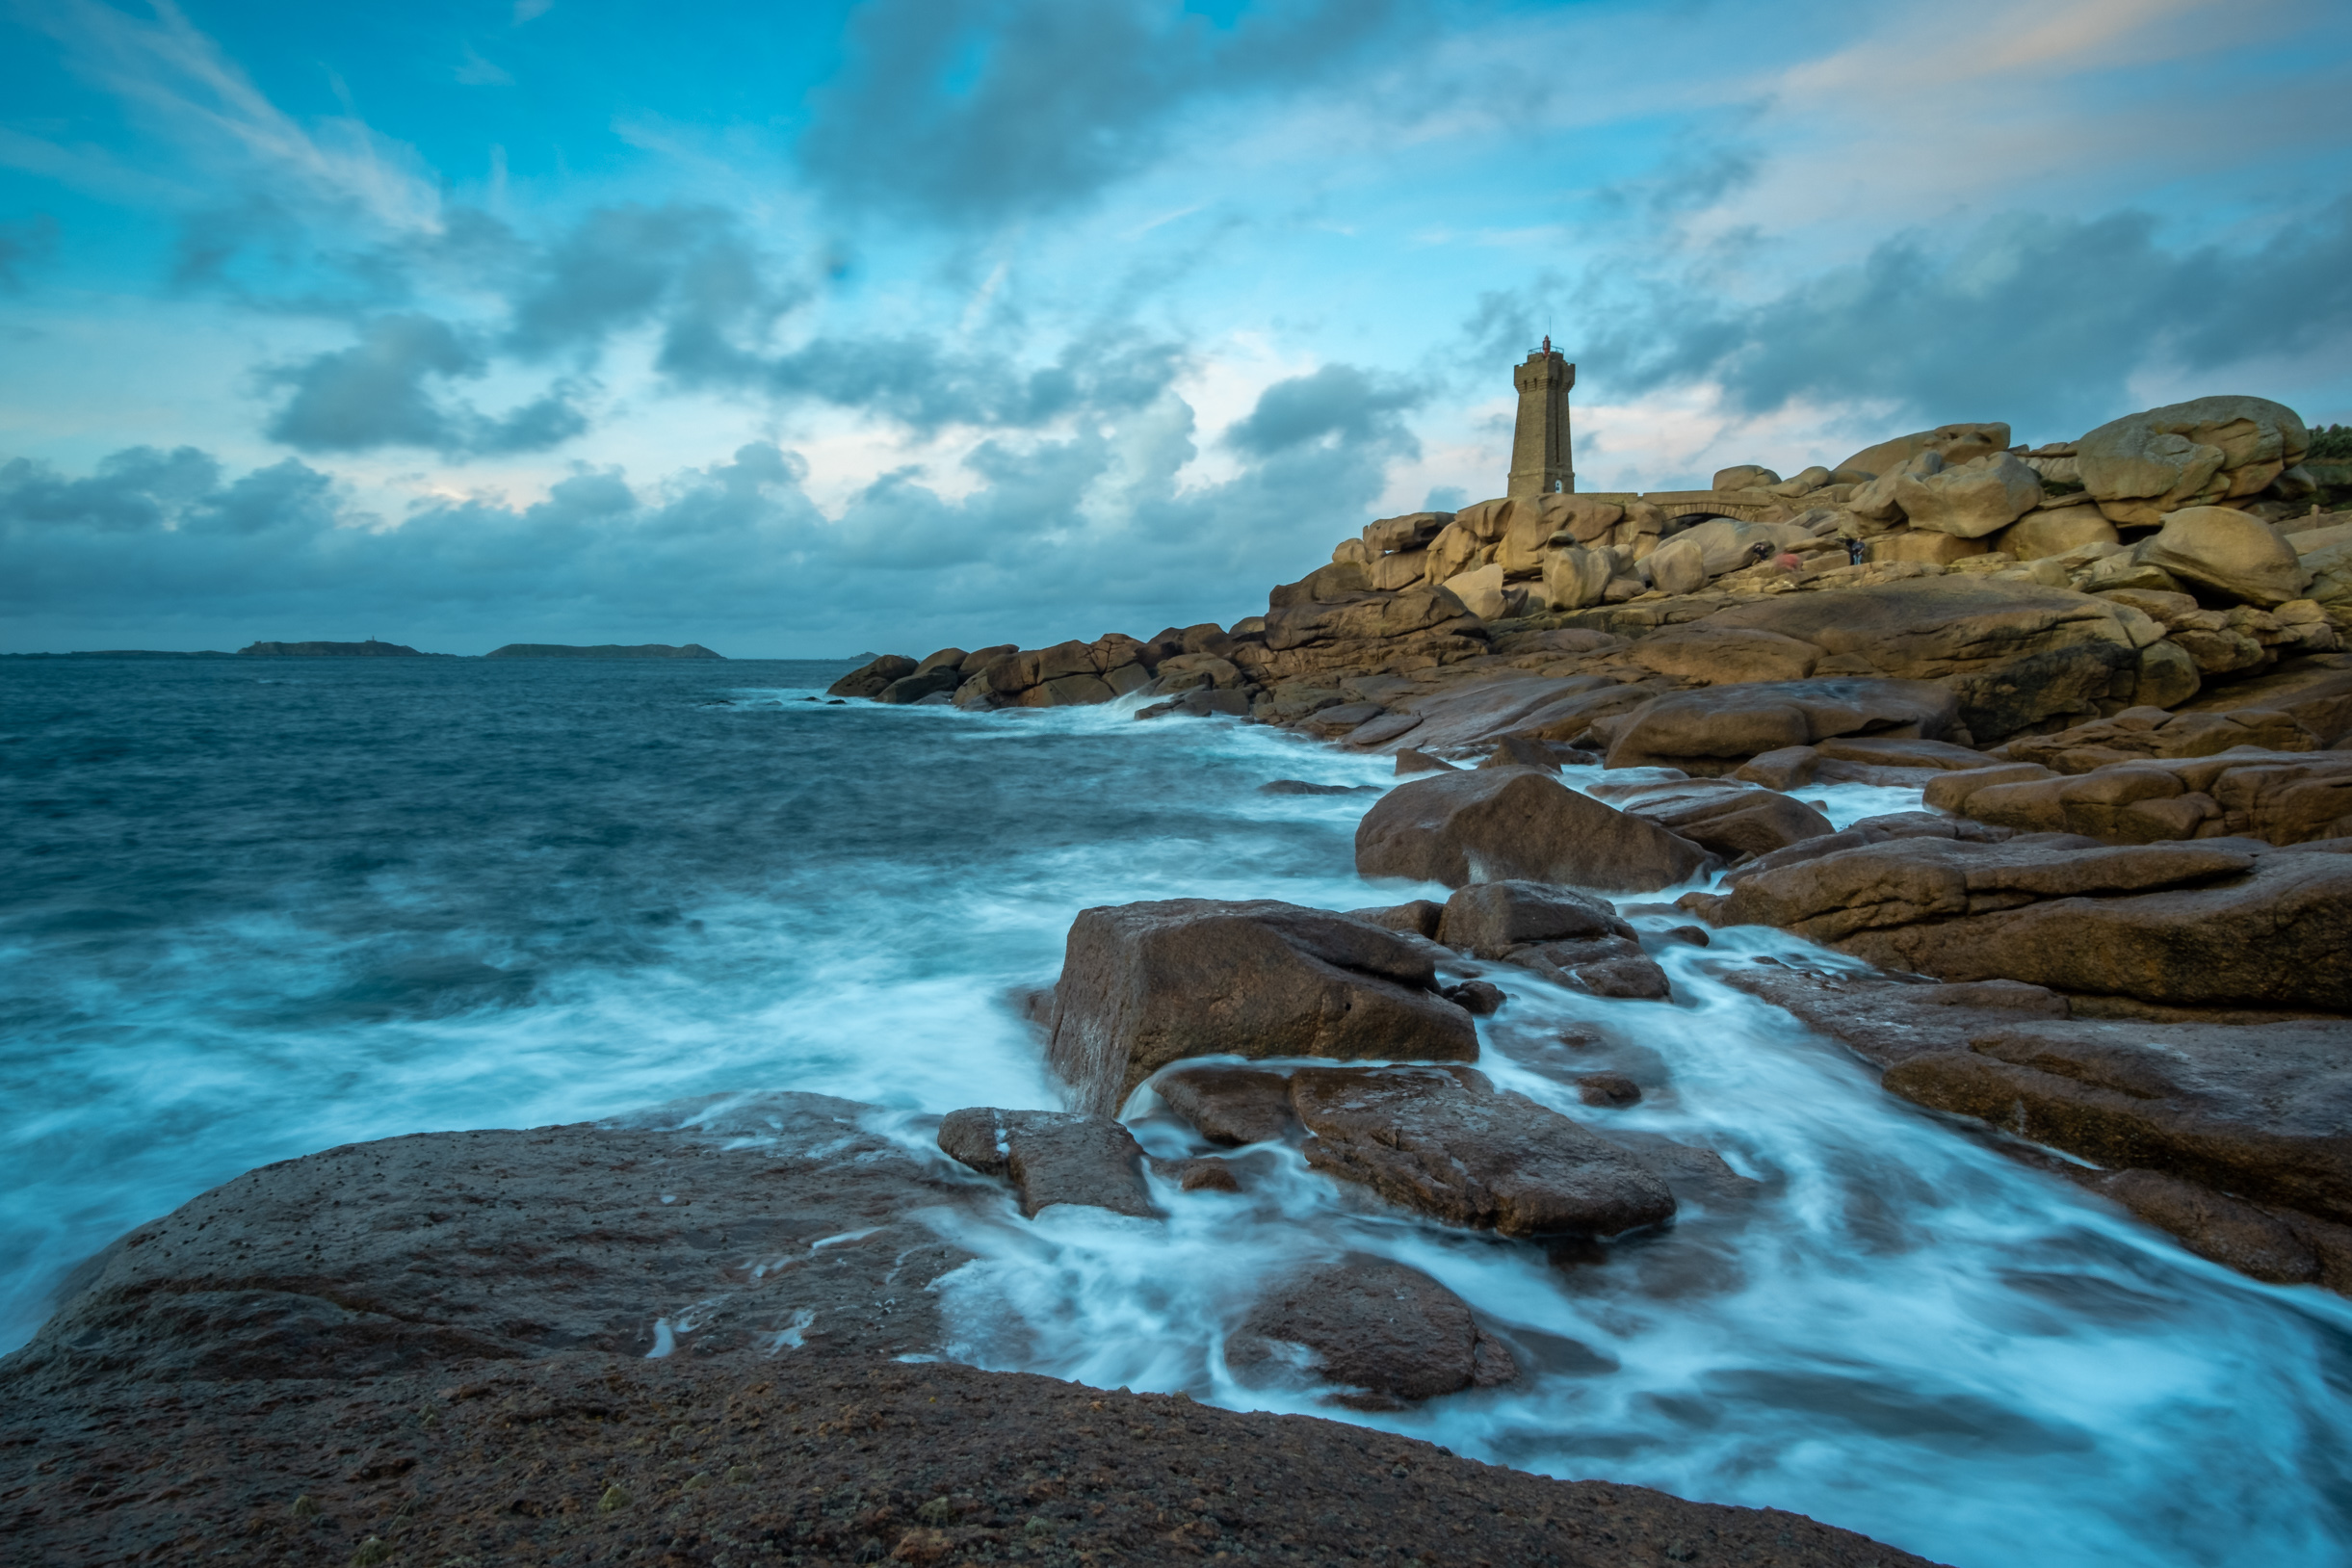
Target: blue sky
[802,330]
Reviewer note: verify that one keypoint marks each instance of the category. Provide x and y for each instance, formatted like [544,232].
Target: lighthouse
[1540,464]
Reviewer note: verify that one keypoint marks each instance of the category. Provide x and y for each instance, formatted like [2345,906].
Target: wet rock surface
[1446,1143]
[2236,1136]
[2262,1113]
[1387,1334]
[1145,984]
[1051,1157]
[1490,919]
[1228,1106]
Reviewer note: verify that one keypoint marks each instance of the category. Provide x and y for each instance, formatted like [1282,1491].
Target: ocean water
[248,911]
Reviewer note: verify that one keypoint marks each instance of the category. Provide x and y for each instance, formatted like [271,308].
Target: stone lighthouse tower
[1540,464]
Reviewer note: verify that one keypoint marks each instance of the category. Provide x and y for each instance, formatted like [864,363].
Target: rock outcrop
[1517,823]
[2011,654]
[1145,984]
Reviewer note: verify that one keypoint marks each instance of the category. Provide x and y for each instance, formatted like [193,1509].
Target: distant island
[125,653]
[370,649]
[602,651]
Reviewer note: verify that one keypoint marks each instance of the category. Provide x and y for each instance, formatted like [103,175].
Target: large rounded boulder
[1145,984]
[1492,825]
[2232,554]
[2191,454]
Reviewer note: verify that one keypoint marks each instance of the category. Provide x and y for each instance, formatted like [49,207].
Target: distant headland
[370,649]
[602,651]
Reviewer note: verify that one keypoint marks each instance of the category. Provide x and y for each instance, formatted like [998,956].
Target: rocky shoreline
[2112,666]
[2109,943]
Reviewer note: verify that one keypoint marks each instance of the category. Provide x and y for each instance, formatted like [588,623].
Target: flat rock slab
[2315,693]
[2282,798]
[414,1252]
[1145,984]
[1716,729]
[2230,923]
[1446,1143]
[826,1458]
[1387,1335]
[1052,1157]
[1477,712]
[1493,825]
[2264,1113]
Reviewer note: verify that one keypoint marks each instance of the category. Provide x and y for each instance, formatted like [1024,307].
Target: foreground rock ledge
[432,1349]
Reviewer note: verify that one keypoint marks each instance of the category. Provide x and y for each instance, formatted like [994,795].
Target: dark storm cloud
[1338,402]
[714,301]
[135,489]
[2040,321]
[288,495]
[977,111]
[924,385]
[389,390]
[690,268]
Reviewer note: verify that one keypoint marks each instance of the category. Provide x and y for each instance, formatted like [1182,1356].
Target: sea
[250,909]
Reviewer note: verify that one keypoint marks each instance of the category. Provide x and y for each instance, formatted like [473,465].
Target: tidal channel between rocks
[675,904]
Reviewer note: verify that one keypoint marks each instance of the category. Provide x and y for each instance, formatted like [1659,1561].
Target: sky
[806,329]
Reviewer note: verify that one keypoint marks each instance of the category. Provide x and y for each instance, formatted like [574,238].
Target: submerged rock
[1229,1105]
[1387,1334]
[1052,1157]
